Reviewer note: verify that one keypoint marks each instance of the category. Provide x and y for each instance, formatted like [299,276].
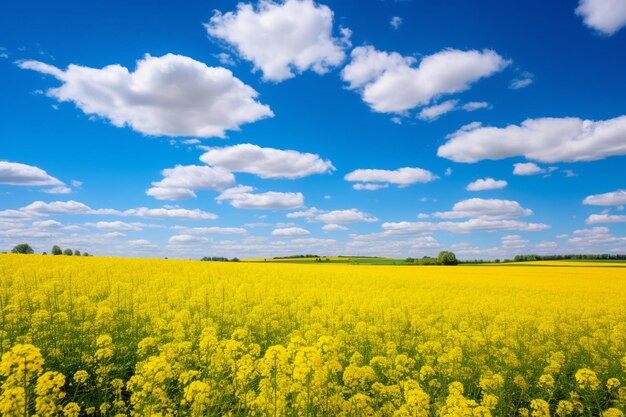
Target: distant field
[147,337]
[332,260]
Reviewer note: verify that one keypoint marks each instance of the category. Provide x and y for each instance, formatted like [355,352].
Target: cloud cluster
[172,95]
[244,197]
[614,198]
[373,179]
[566,139]
[71,207]
[488,183]
[391,83]
[180,182]
[336,217]
[605,16]
[266,162]
[282,39]
[485,208]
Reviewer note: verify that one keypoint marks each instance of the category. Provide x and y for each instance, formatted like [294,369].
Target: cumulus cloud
[468,226]
[41,208]
[614,198]
[45,224]
[333,217]
[243,197]
[488,183]
[282,39]
[266,162]
[545,140]
[605,218]
[369,186]
[527,168]
[485,208]
[62,189]
[391,83]
[214,230]
[594,238]
[605,16]
[401,177]
[186,240]
[290,231]
[172,95]
[13,173]
[333,227]
[345,216]
[116,225]
[170,213]
[434,112]
[180,182]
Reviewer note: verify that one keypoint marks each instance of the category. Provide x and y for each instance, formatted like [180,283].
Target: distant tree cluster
[297,256]
[218,259]
[444,258]
[603,256]
[56,250]
[26,249]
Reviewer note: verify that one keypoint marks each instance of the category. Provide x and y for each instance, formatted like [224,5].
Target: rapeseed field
[134,337]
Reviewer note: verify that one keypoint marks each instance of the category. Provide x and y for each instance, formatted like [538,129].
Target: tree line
[218,259]
[26,249]
[444,258]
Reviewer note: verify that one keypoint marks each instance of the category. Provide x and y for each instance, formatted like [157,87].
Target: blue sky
[396,128]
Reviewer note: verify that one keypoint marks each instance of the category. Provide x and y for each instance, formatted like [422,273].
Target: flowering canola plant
[143,337]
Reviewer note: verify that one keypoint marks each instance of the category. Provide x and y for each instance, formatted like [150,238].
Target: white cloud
[523,81]
[170,214]
[605,16]
[170,193]
[63,189]
[116,225]
[401,177]
[113,235]
[142,244]
[527,168]
[40,208]
[369,186]
[395,22]
[333,217]
[514,242]
[13,173]
[595,238]
[282,39]
[614,198]
[468,226]
[544,140]
[605,218]
[243,197]
[475,105]
[181,181]
[215,230]
[485,208]
[266,162]
[391,83]
[172,95]
[345,216]
[434,112]
[333,227]
[186,240]
[45,224]
[290,231]
[486,184]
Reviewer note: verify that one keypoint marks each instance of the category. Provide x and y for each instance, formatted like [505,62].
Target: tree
[76,252]
[447,258]
[85,254]
[23,248]
[68,252]
[56,250]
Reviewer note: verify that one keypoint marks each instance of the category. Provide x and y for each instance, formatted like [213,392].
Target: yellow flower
[587,379]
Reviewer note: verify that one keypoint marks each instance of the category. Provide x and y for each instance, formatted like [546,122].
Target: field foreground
[121,337]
